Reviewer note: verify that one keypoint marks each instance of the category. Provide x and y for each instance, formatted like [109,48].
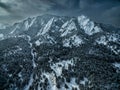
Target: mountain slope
[59,53]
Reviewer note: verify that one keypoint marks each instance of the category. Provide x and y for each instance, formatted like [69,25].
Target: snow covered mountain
[59,53]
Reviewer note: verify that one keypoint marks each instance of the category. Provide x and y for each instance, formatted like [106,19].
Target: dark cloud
[4,6]
[105,11]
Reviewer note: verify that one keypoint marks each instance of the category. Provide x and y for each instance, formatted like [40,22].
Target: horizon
[20,21]
[106,12]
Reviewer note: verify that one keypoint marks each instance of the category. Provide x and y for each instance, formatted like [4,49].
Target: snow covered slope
[59,53]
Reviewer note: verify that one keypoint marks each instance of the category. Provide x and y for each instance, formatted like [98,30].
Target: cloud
[113,15]
[3,12]
[105,11]
[5,7]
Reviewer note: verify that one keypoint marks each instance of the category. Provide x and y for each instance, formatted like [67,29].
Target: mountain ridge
[58,53]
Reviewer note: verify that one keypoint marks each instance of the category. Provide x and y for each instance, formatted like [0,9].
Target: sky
[101,11]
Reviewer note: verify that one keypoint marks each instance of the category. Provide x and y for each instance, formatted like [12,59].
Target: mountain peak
[89,26]
[59,53]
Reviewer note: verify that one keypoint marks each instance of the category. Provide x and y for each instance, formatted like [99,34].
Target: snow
[37,43]
[73,40]
[32,51]
[17,26]
[97,29]
[113,37]
[114,49]
[50,39]
[1,36]
[20,76]
[102,40]
[105,39]
[33,58]
[68,27]
[18,48]
[57,71]
[76,40]
[47,26]
[84,81]
[73,84]
[27,25]
[51,80]
[109,38]
[87,25]
[27,87]
[46,39]
[66,43]
[10,75]
[58,67]
[117,65]
[29,39]
[65,24]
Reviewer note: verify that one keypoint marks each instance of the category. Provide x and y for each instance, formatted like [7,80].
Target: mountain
[59,53]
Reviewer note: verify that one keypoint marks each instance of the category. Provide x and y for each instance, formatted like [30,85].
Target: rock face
[59,53]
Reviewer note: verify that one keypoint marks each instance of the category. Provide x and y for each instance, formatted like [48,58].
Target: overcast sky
[105,11]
